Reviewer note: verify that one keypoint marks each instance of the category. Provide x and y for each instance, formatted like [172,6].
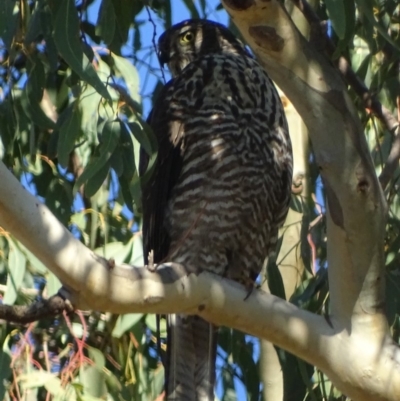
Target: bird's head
[191,39]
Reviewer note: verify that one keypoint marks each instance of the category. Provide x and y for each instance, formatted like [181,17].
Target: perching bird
[221,183]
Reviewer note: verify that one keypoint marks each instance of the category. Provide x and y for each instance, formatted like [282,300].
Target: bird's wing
[156,191]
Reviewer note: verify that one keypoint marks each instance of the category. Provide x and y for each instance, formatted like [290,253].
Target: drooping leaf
[366,7]
[94,182]
[131,77]
[105,27]
[5,365]
[118,251]
[47,30]
[93,380]
[109,140]
[337,15]
[349,27]
[33,94]
[116,161]
[58,198]
[35,265]
[69,129]
[191,6]
[66,37]
[127,151]
[16,272]
[35,25]
[124,14]
[9,13]
[53,284]
[126,322]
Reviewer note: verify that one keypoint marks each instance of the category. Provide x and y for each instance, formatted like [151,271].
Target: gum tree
[71,124]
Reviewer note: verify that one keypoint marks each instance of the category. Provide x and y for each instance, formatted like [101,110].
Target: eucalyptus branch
[37,310]
[369,99]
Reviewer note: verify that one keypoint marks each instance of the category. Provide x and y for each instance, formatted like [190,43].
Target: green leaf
[70,123]
[16,272]
[114,385]
[66,37]
[151,323]
[36,266]
[275,280]
[366,7]
[349,23]
[97,357]
[392,295]
[33,94]
[5,369]
[135,190]
[47,29]
[137,252]
[54,386]
[7,127]
[125,12]
[130,75]
[94,183]
[79,220]
[337,15]
[229,393]
[136,132]
[243,357]
[58,198]
[304,296]
[109,141]
[127,152]
[192,8]
[144,136]
[38,378]
[125,323]
[105,27]
[53,284]
[34,26]
[350,12]
[88,397]
[118,251]
[89,102]
[9,14]
[116,161]
[126,192]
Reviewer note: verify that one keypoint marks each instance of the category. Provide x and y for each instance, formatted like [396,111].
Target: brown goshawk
[221,184]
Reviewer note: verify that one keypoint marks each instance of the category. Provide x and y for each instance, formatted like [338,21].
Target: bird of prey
[221,183]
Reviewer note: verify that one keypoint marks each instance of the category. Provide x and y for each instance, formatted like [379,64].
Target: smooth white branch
[355,359]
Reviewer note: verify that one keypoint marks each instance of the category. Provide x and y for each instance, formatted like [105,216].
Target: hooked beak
[162,57]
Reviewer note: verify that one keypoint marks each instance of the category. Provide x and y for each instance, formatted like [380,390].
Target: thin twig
[153,39]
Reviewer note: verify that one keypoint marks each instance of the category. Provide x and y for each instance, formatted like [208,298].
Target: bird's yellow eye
[187,37]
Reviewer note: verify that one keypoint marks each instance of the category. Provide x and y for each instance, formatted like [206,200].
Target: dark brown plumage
[221,183]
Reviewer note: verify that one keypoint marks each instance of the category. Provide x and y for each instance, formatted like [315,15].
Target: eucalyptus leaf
[16,272]
[66,37]
[105,27]
[109,141]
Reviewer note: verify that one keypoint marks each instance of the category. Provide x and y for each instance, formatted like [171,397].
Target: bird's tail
[191,353]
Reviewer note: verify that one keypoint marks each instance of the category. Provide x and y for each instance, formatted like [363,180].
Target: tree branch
[370,100]
[95,283]
[355,202]
[357,208]
[37,310]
